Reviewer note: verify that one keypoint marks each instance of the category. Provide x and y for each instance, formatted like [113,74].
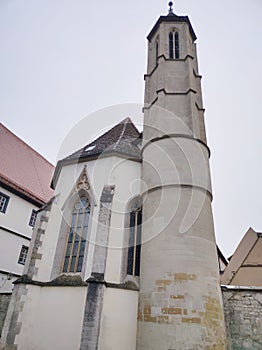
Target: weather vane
[170,4]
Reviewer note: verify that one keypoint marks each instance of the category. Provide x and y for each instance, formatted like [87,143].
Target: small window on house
[33,218]
[4,199]
[174,45]
[134,247]
[77,236]
[23,255]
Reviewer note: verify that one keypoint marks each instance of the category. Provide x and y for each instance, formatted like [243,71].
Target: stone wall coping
[241,288]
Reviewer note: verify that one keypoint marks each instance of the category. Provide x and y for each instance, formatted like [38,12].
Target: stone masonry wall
[4,302]
[243,316]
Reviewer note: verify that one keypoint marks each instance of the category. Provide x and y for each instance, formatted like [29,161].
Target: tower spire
[170,11]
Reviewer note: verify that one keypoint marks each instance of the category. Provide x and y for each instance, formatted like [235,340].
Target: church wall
[243,310]
[15,232]
[4,302]
[52,318]
[119,320]
[126,177]
[111,170]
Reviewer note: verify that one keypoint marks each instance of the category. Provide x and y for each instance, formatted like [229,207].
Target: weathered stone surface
[4,302]
[243,315]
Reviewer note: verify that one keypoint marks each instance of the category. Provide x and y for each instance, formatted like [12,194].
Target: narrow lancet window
[173,45]
[134,247]
[176,45]
[156,51]
[77,236]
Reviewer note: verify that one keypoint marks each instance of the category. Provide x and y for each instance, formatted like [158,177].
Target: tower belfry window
[134,246]
[157,50]
[174,45]
[76,240]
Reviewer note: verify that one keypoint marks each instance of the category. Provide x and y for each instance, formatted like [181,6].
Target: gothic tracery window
[174,45]
[134,246]
[77,236]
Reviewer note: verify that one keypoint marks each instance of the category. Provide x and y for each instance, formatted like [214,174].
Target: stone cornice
[166,136]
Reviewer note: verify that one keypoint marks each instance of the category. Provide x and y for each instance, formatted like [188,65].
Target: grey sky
[62,60]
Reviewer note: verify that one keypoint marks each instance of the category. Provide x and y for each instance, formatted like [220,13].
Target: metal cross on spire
[170,4]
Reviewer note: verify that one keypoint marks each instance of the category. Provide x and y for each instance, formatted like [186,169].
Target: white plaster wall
[17,215]
[122,173]
[119,320]
[126,175]
[10,247]
[52,318]
[16,219]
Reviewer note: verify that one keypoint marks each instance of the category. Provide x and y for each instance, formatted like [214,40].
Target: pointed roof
[171,17]
[245,265]
[23,170]
[120,140]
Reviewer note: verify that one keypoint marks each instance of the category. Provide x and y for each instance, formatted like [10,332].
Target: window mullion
[73,242]
[80,239]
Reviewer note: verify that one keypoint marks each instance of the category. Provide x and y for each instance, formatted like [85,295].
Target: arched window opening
[174,45]
[134,247]
[171,45]
[77,236]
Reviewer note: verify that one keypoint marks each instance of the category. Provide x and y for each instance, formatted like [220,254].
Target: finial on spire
[170,4]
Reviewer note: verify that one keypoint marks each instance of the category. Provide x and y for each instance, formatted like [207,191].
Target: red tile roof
[23,169]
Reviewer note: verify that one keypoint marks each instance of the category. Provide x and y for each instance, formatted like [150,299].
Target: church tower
[180,304]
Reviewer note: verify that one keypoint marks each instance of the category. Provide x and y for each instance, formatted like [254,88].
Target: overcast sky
[62,60]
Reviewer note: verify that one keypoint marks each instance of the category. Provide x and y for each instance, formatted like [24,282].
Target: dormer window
[173,45]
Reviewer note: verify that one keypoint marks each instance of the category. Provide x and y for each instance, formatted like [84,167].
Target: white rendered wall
[17,215]
[126,177]
[119,320]
[16,219]
[105,171]
[52,318]
[10,246]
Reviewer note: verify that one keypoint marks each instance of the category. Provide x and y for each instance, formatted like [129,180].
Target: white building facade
[25,179]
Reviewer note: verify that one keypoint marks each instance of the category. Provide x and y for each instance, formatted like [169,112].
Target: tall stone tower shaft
[180,304]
